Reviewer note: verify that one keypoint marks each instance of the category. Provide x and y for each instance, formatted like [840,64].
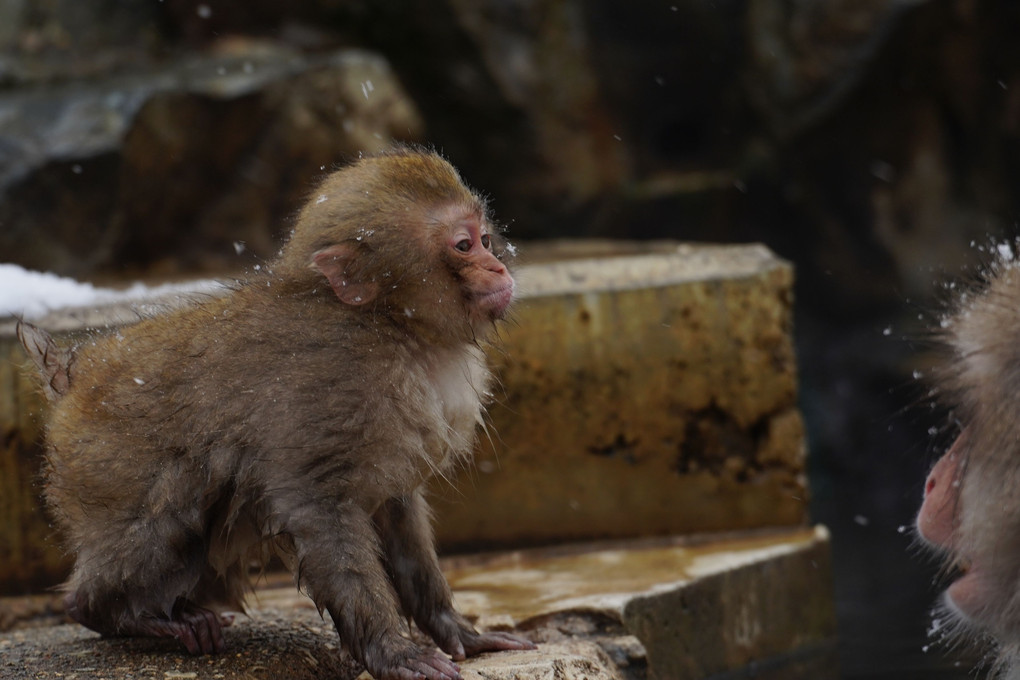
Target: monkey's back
[181,413]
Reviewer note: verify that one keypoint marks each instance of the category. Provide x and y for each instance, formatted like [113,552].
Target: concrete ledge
[642,395]
[699,607]
[646,390]
[755,605]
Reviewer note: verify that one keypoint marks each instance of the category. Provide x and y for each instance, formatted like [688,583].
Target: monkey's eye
[486,241]
[463,245]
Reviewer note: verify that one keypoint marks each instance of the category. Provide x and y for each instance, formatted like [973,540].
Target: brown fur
[300,414]
[975,522]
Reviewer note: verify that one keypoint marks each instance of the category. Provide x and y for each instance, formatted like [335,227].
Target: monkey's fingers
[187,637]
[494,642]
[428,666]
[206,626]
[165,628]
[197,628]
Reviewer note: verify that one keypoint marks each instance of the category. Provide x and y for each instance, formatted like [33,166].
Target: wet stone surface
[684,608]
[273,644]
[296,644]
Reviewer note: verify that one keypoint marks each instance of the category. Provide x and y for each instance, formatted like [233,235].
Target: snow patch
[32,294]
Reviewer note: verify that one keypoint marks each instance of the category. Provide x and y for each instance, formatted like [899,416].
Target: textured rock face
[850,135]
[185,165]
[729,121]
[640,395]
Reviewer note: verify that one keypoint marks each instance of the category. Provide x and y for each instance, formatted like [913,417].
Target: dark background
[873,143]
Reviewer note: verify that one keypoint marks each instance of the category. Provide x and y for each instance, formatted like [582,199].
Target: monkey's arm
[339,567]
[409,549]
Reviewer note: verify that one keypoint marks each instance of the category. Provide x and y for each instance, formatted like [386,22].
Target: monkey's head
[971,509]
[399,233]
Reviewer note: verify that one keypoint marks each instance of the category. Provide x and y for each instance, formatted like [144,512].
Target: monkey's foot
[197,628]
[412,663]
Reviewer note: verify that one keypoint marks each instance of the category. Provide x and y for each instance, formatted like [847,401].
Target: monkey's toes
[435,667]
[495,642]
[197,628]
[207,630]
[425,665]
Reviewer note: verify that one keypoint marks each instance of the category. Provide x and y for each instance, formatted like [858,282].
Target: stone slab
[645,390]
[750,605]
[699,608]
[641,394]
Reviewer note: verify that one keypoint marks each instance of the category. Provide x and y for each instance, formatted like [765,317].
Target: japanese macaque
[971,508]
[299,415]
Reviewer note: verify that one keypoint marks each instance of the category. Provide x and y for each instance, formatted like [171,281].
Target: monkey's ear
[332,263]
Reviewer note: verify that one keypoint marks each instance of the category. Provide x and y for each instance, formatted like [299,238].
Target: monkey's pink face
[938,524]
[488,285]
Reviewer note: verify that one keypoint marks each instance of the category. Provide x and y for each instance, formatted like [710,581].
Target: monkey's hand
[459,639]
[408,661]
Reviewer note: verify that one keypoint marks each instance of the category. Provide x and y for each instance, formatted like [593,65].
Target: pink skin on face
[491,284]
[938,522]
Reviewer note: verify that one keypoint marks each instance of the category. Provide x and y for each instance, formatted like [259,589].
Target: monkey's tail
[54,362]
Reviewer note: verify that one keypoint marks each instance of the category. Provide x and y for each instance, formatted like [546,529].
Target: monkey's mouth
[968,594]
[496,302]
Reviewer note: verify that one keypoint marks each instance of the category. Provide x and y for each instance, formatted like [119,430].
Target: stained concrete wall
[641,394]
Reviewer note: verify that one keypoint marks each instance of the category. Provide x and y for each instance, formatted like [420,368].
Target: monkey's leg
[409,547]
[340,568]
[136,581]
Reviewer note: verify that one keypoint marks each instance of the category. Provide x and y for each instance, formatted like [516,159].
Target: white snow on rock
[32,294]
